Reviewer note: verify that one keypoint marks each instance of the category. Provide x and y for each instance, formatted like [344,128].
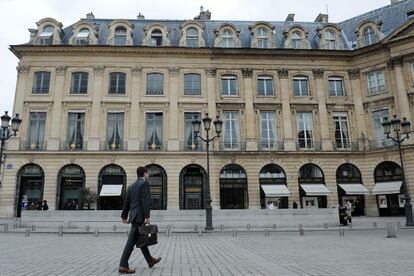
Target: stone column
[53,141]
[401,95]
[354,76]
[289,129]
[251,131]
[93,141]
[173,143]
[323,113]
[135,120]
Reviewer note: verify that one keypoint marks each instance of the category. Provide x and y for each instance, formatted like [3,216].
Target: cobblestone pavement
[359,252]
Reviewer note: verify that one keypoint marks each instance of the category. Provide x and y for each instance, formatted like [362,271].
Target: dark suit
[138,205]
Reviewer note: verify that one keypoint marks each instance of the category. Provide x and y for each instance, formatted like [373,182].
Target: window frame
[157,37]
[154,83]
[82,121]
[120,39]
[227,39]
[268,142]
[116,90]
[42,89]
[79,89]
[265,92]
[191,37]
[300,79]
[336,79]
[369,38]
[374,90]
[39,119]
[308,141]
[228,90]
[329,40]
[234,125]
[345,137]
[192,91]
[262,39]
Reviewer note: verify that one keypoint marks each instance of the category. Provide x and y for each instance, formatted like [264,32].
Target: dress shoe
[126,270]
[154,261]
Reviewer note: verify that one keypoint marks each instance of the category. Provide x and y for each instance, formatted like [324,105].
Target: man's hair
[141,171]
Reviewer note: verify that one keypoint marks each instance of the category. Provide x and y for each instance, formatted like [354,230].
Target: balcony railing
[155,92]
[32,145]
[82,41]
[162,146]
[199,146]
[73,145]
[345,146]
[235,146]
[307,145]
[114,146]
[272,146]
[119,42]
[379,143]
[330,46]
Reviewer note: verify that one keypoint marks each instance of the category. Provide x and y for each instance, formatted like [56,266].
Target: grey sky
[16,16]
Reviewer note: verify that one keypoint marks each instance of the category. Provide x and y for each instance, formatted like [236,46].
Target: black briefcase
[147,235]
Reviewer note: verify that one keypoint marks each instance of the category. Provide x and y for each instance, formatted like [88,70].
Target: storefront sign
[9,166]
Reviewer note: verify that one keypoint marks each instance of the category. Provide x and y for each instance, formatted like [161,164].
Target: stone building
[301,104]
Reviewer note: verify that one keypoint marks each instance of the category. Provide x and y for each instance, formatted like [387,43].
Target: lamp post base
[209,218]
[408,209]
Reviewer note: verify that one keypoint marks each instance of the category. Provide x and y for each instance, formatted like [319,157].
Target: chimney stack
[204,15]
[90,16]
[290,17]
[140,16]
[322,18]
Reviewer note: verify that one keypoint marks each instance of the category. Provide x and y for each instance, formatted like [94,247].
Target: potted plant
[88,197]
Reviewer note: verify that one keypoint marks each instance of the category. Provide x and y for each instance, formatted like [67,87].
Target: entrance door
[30,188]
[113,178]
[158,187]
[233,197]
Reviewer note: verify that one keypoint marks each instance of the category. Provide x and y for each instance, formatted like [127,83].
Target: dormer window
[156,38]
[228,41]
[120,36]
[192,38]
[296,40]
[262,41]
[82,37]
[330,40]
[369,36]
[46,36]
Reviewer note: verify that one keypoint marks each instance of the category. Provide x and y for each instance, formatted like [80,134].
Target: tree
[88,197]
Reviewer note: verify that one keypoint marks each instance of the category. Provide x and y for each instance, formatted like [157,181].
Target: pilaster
[354,76]
[251,137]
[318,74]
[134,120]
[173,143]
[289,141]
[93,141]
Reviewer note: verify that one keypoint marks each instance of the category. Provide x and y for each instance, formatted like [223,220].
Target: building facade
[301,105]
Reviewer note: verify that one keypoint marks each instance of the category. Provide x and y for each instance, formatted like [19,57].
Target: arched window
[312,190]
[82,37]
[233,187]
[227,39]
[111,187]
[156,38]
[158,187]
[297,40]
[330,40]
[192,37]
[192,180]
[71,182]
[388,171]
[46,36]
[120,36]
[262,40]
[369,36]
[273,190]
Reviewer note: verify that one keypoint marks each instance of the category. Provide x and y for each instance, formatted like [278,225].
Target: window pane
[153,131]
[192,84]
[155,84]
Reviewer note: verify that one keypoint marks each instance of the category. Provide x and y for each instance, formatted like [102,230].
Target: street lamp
[207,126]
[401,133]
[7,131]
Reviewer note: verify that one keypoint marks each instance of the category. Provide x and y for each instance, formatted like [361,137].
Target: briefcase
[147,235]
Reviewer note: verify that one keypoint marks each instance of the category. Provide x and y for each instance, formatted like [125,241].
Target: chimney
[140,16]
[90,16]
[290,17]
[204,15]
[322,18]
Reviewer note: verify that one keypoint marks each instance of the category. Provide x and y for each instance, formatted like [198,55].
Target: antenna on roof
[327,11]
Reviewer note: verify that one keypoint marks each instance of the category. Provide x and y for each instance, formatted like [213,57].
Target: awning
[386,188]
[315,189]
[354,189]
[111,190]
[275,190]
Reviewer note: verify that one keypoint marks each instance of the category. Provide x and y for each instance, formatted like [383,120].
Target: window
[227,39]
[231,130]
[79,83]
[262,41]
[120,36]
[75,131]
[412,72]
[265,85]
[336,87]
[117,83]
[192,84]
[191,142]
[369,36]
[330,40]
[376,82]
[115,131]
[378,118]
[297,40]
[341,130]
[305,129]
[36,130]
[192,37]
[300,86]
[41,82]
[229,85]
[153,131]
[156,38]
[46,36]
[268,130]
[155,84]
[82,37]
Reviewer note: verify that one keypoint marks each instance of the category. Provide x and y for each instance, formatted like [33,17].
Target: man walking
[137,204]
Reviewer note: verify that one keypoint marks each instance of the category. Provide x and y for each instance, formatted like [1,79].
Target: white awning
[354,189]
[386,188]
[275,190]
[315,189]
[111,190]
[46,34]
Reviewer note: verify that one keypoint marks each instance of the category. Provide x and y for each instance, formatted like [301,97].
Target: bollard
[6,227]
[60,231]
[222,227]
[341,232]
[114,228]
[398,224]
[325,226]
[301,231]
[96,234]
[200,234]
[391,230]
[14,225]
[350,225]
[248,227]
[27,233]
[234,232]
[33,227]
[266,232]
[274,226]
[374,224]
[87,228]
[195,227]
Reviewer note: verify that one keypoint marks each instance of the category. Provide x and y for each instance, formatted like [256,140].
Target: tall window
[369,36]
[330,40]
[79,83]
[192,37]
[262,41]
[153,131]
[75,131]
[412,72]
[228,85]
[82,37]
[120,36]
[342,140]
[46,36]
[297,40]
[268,130]
[155,84]
[41,82]
[231,130]
[192,84]
[190,140]
[227,39]
[117,83]
[265,86]
[378,118]
[305,129]
[300,86]
[376,82]
[156,38]
[115,130]
[36,130]
[336,86]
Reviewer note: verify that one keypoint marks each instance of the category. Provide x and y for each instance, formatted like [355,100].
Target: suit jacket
[138,202]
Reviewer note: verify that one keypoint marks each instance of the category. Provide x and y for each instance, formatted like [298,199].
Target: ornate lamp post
[207,125]
[5,132]
[401,133]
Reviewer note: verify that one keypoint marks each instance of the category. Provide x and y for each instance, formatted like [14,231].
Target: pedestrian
[39,205]
[32,206]
[137,205]
[348,206]
[45,207]
[295,205]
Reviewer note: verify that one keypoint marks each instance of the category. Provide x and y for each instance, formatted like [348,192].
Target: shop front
[111,188]
[192,185]
[158,187]
[233,187]
[29,188]
[71,181]
[312,190]
[273,190]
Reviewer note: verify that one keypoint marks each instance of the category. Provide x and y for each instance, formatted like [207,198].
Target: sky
[17,16]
